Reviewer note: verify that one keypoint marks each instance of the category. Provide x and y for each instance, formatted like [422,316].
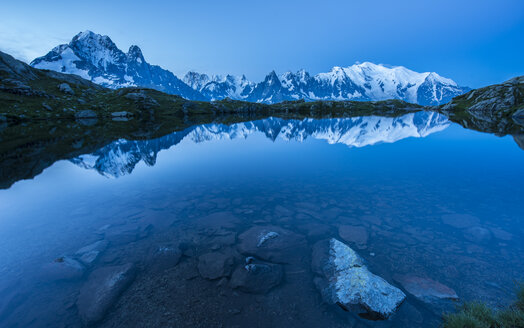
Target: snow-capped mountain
[120,157]
[96,58]
[360,82]
[219,87]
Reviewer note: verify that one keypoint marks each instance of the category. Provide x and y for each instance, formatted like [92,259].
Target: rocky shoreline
[252,267]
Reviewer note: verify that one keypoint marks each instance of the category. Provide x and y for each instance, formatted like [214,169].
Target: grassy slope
[478,315]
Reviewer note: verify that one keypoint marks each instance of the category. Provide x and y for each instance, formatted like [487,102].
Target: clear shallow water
[435,200]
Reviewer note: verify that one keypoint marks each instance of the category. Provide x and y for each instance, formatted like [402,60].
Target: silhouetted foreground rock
[346,281]
[102,289]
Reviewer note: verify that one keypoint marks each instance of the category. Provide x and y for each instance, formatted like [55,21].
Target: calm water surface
[429,198]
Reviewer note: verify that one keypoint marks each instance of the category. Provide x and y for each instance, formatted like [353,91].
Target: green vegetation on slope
[497,108]
[478,315]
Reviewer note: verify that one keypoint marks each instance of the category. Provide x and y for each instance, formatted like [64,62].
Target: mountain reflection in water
[120,157]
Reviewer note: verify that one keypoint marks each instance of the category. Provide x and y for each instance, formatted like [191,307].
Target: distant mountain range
[97,58]
[120,157]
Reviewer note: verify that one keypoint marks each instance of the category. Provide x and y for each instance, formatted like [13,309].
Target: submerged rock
[90,253]
[477,235]
[346,281]
[425,289]
[101,291]
[214,265]
[272,243]
[121,235]
[63,268]
[164,257]
[266,236]
[256,278]
[501,234]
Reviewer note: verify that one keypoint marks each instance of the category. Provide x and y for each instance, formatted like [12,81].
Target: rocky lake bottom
[266,224]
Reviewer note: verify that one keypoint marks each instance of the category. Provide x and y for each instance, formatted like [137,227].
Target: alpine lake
[221,225]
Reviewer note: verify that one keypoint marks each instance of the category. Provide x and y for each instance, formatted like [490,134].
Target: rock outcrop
[497,108]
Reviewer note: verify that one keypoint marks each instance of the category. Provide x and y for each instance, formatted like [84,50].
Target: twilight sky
[474,42]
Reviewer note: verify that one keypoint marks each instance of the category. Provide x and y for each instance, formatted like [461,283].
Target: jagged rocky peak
[301,76]
[135,54]
[89,37]
[272,78]
[100,50]
[196,80]
[96,58]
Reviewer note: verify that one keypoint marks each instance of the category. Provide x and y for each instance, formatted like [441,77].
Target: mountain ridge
[96,58]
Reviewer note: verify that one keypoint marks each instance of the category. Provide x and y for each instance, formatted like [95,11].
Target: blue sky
[475,43]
